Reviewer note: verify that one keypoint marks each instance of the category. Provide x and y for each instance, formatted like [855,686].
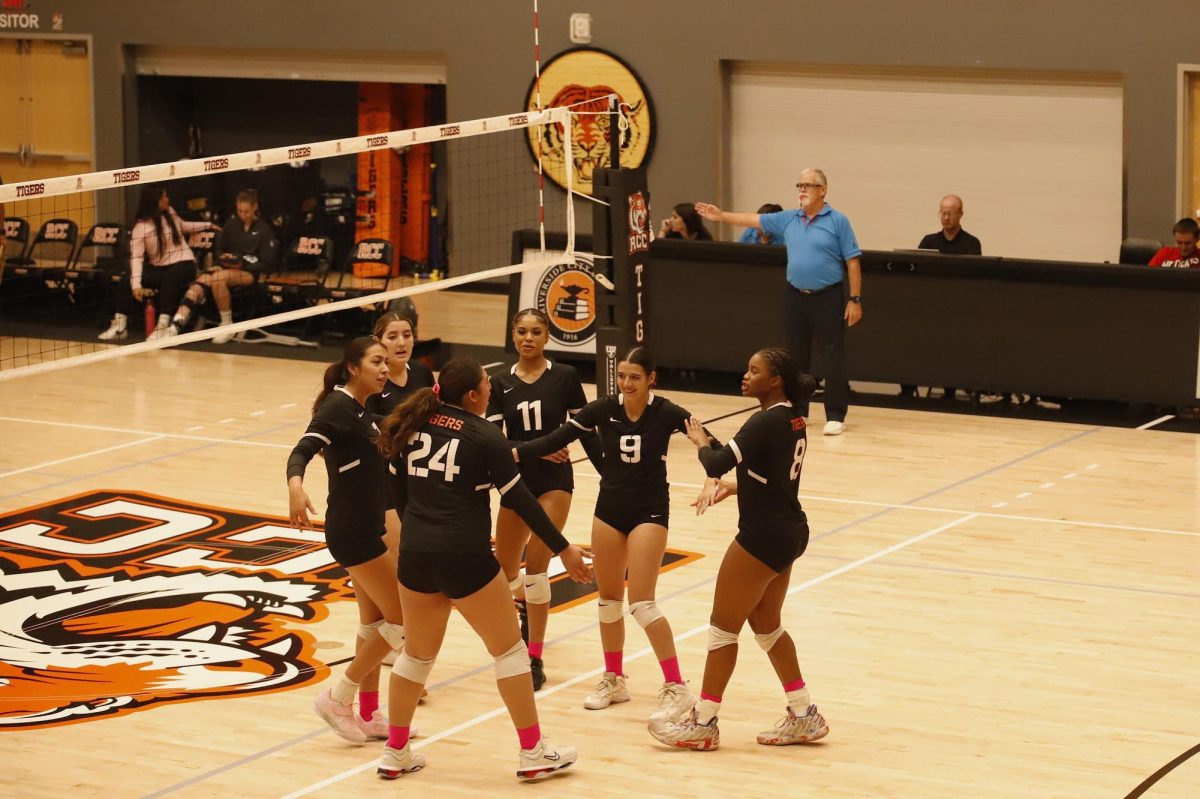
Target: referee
[821,249]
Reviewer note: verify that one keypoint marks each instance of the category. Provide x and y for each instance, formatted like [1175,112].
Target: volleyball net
[294,244]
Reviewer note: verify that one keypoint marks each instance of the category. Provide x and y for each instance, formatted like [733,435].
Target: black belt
[815,291]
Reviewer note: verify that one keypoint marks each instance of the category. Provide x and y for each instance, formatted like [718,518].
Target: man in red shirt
[1185,254]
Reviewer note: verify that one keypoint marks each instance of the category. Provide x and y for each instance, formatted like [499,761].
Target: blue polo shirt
[817,249]
[750,236]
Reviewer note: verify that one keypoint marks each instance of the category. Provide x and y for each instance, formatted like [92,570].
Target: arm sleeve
[717,460]
[268,247]
[219,245]
[749,236]
[928,243]
[516,496]
[495,413]
[847,240]
[398,474]
[976,248]
[320,434]
[190,227]
[575,428]
[137,254]
[1159,257]
[773,223]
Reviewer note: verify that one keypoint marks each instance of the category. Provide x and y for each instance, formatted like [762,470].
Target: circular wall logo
[567,294]
[584,78]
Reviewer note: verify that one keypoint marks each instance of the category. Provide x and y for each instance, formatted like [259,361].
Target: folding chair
[44,262]
[99,265]
[298,282]
[16,230]
[367,271]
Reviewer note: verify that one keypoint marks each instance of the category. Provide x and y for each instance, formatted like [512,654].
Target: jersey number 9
[631,449]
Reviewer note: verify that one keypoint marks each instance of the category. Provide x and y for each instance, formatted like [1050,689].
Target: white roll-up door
[1037,159]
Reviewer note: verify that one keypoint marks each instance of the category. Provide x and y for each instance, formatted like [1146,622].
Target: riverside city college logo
[115,602]
[567,294]
[639,218]
[584,79]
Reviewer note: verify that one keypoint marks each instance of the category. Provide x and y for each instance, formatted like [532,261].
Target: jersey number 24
[442,460]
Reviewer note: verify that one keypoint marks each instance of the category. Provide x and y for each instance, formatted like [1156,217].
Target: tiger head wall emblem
[115,602]
[583,80]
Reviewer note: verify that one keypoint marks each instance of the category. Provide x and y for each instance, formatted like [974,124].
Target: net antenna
[26,347]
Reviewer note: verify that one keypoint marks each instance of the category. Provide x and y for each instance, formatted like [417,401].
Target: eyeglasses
[808,186]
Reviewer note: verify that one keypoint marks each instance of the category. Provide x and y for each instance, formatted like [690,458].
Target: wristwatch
[856,299]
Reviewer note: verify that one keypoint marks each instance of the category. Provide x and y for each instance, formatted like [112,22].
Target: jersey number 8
[798,458]
[442,460]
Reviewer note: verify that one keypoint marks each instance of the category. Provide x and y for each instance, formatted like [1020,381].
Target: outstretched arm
[714,214]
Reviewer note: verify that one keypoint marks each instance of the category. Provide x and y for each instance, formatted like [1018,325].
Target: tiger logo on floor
[115,602]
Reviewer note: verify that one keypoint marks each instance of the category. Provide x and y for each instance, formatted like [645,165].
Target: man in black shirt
[951,239]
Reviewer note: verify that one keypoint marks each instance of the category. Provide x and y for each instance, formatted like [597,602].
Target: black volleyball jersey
[419,376]
[526,411]
[769,453]
[443,479]
[635,453]
[357,485]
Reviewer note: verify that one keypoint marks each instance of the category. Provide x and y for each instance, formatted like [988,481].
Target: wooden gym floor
[988,608]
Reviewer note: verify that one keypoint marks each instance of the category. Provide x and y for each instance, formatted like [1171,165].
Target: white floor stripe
[1046,485]
[83,455]
[999,504]
[132,431]
[491,714]
[1070,475]
[1157,421]
[1024,494]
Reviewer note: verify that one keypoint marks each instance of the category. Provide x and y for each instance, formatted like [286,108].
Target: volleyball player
[629,530]
[530,399]
[398,334]
[354,527]
[447,457]
[768,453]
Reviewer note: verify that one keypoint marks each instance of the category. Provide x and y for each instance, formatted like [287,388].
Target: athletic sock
[613,661]
[670,669]
[708,707]
[397,737]
[530,736]
[368,703]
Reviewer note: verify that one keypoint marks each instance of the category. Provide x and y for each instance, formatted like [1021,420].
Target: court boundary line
[88,454]
[697,630]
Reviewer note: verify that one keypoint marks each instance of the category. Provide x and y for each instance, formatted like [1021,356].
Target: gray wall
[678,48]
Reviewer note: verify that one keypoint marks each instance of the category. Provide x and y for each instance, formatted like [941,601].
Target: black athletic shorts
[542,477]
[353,548]
[623,513]
[777,547]
[452,574]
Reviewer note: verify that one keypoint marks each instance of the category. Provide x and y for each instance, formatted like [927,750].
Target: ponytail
[457,377]
[797,386]
[338,373]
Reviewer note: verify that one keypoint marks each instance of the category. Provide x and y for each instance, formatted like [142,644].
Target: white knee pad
[514,662]
[645,612]
[517,582]
[767,640]
[718,638]
[611,610]
[365,631]
[537,589]
[393,634]
[411,669]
